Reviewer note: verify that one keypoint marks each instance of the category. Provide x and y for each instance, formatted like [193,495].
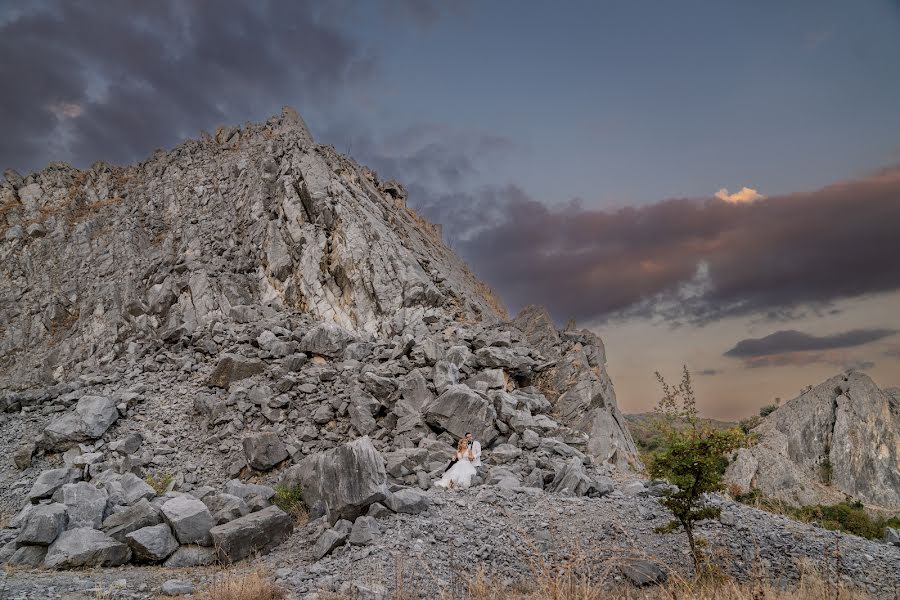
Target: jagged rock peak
[836,440]
[249,222]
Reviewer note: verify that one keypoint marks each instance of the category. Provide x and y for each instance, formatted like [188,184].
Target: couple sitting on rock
[464,465]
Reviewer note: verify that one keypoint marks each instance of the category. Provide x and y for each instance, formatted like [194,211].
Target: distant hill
[646,436]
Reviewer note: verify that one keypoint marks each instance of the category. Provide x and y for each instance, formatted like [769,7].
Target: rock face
[85,547]
[840,438]
[345,480]
[263,221]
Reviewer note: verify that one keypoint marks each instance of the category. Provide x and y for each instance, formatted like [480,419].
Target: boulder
[365,531]
[85,504]
[505,453]
[256,533]
[407,500]
[191,556]
[346,479]
[326,339]
[152,544]
[84,547]
[513,359]
[190,520]
[264,450]
[254,495]
[50,481]
[892,536]
[225,507]
[642,572]
[234,367]
[141,514]
[176,587]
[459,410]
[42,524]
[91,418]
[28,556]
[134,489]
[571,480]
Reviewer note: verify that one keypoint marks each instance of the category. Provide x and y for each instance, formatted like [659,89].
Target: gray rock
[256,533]
[892,536]
[444,374]
[22,456]
[407,500]
[43,524]
[225,507]
[28,556]
[331,539]
[190,520]
[85,547]
[530,439]
[326,339]
[248,491]
[571,480]
[234,367]
[141,514]
[365,531]
[177,587]
[644,572]
[91,418]
[50,481]
[191,556]
[152,544]
[504,453]
[514,359]
[134,489]
[378,511]
[459,410]
[346,479]
[85,504]
[264,450]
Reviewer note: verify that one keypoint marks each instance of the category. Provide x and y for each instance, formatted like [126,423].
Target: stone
[264,450]
[43,524]
[326,339]
[176,587]
[460,410]
[571,480]
[256,533]
[234,367]
[365,531]
[331,539]
[92,416]
[139,515]
[85,547]
[407,500]
[225,507]
[379,511]
[504,453]
[135,489]
[85,504]
[152,544]
[892,536]
[444,374]
[530,439]
[643,572]
[191,556]
[346,479]
[28,556]
[22,456]
[190,520]
[248,491]
[50,481]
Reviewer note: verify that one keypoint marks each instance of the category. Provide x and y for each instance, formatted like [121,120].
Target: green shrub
[290,500]
[767,410]
[160,482]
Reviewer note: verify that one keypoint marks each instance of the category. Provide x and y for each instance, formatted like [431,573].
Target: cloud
[745,195]
[682,260]
[709,372]
[796,341]
[113,81]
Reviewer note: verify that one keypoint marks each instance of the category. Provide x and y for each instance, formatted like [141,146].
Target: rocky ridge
[836,441]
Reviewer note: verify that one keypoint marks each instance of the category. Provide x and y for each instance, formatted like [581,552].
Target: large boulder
[42,524]
[460,410]
[191,556]
[234,367]
[85,504]
[407,500]
[331,539]
[345,480]
[326,339]
[50,481]
[840,438]
[264,450]
[91,418]
[141,514]
[225,507]
[256,533]
[189,519]
[152,544]
[85,547]
[572,480]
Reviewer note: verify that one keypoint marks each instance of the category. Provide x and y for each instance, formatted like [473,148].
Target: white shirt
[476,450]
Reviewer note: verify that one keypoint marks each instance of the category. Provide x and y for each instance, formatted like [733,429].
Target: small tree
[693,458]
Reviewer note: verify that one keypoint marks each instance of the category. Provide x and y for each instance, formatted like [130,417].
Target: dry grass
[255,585]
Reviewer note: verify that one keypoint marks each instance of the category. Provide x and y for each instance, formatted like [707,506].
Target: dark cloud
[685,260]
[709,372]
[114,80]
[797,341]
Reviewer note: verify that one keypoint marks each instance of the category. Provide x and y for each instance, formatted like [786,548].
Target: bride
[461,473]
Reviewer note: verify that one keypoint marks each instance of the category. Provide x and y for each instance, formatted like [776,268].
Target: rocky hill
[839,439]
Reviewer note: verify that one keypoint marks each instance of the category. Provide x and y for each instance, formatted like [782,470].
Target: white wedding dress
[460,474]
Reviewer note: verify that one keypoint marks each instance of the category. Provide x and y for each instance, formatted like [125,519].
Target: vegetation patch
[290,500]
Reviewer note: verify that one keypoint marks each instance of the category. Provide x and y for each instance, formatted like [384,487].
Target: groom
[475,447]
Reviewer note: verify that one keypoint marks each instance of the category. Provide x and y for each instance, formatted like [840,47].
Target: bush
[160,483]
[290,500]
[693,458]
[767,410]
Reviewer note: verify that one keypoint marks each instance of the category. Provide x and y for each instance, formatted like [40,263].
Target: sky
[715,184]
